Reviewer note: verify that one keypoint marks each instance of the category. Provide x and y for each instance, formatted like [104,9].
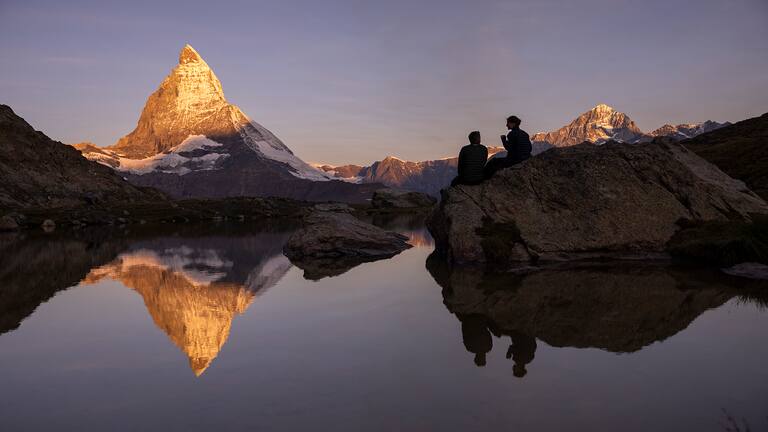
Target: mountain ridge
[190,142]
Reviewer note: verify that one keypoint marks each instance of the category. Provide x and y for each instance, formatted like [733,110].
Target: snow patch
[174,160]
[261,140]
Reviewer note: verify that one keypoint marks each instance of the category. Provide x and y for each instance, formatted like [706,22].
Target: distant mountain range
[425,176]
[598,125]
[603,123]
[191,142]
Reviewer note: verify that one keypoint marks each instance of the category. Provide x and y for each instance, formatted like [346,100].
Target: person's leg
[491,167]
[456,181]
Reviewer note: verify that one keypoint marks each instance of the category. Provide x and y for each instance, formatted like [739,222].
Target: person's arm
[510,144]
[460,166]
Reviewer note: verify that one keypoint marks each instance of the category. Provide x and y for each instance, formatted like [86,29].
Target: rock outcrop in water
[614,200]
[331,243]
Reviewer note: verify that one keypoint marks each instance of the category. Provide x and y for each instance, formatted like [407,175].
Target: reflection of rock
[615,309]
[331,243]
[34,268]
[586,201]
[193,288]
[410,225]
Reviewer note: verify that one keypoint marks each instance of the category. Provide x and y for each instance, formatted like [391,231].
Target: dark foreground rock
[36,171]
[331,243]
[739,150]
[401,199]
[586,201]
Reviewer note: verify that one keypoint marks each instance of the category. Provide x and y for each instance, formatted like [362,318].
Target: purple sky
[354,81]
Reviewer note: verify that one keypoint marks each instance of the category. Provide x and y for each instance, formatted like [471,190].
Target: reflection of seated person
[476,336]
[522,351]
[472,159]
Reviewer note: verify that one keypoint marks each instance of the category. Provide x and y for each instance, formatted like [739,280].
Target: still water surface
[215,328]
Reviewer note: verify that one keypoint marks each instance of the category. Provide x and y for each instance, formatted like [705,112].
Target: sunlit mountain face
[194,288]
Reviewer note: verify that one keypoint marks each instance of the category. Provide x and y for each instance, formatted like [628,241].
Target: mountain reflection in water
[193,288]
[193,282]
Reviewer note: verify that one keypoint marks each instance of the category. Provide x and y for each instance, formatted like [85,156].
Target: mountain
[600,124]
[687,130]
[191,142]
[425,176]
[36,171]
[739,150]
[603,123]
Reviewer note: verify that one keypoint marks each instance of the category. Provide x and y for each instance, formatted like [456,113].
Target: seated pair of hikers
[473,168]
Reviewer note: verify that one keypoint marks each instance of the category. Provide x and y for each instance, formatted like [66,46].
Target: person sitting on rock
[472,158]
[518,146]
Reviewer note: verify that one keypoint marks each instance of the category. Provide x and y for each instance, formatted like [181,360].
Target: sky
[355,81]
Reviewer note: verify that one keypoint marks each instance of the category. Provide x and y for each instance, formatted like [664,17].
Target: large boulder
[331,243]
[586,201]
[401,199]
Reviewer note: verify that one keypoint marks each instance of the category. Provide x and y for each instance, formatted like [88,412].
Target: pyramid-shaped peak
[603,108]
[189,55]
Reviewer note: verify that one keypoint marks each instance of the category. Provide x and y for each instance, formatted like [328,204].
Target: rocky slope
[603,123]
[191,142]
[586,201]
[36,171]
[740,150]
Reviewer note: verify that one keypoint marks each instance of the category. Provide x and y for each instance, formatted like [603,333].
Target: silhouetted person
[472,158]
[518,146]
[522,351]
[476,336]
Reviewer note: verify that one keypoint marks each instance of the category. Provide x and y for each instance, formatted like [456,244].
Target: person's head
[480,359]
[513,122]
[474,137]
[518,370]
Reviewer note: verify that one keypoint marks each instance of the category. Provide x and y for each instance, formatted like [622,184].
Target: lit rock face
[191,142]
[600,124]
[586,201]
[603,123]
[687,130]
[194,292]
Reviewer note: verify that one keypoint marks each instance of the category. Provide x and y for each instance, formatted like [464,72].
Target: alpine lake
[211,327]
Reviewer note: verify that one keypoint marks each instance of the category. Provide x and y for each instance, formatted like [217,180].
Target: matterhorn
[191,143]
